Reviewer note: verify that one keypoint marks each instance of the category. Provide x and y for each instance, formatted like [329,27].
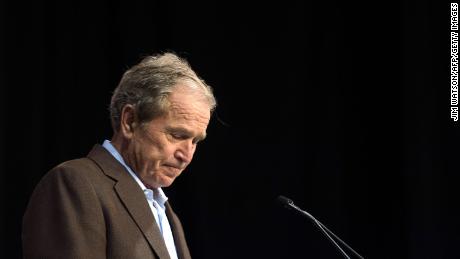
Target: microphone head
[286,202]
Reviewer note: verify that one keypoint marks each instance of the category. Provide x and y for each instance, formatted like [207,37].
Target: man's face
[161,149]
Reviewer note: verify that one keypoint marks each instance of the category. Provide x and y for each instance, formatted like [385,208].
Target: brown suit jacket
[92,208]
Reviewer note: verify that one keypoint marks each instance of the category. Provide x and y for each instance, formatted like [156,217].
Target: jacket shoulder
[78,173]
[82,167]
[64,215]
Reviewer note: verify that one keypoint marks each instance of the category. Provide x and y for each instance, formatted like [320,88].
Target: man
[110,204]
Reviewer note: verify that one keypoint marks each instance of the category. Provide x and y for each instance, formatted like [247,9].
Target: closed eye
[179,136]
[182,134]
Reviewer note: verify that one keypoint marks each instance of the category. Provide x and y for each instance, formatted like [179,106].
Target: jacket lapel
[132,198]
[178,234]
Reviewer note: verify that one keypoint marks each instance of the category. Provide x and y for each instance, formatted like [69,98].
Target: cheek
[144,154]
[140,148]
[155,153]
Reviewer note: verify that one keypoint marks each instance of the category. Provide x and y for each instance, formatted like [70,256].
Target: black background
[342,107]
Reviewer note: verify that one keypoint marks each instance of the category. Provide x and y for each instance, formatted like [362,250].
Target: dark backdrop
[342,107]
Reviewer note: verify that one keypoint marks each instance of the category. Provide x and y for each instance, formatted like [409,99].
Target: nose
[185,151]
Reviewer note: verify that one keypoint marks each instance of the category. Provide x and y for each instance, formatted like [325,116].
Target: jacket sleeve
[64,218]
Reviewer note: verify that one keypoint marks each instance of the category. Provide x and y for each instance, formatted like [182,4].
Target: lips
[179,167]
[176,170]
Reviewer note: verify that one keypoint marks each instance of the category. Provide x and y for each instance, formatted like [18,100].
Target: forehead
[188,108]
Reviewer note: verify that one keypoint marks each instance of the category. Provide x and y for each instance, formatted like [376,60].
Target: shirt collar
[158,193]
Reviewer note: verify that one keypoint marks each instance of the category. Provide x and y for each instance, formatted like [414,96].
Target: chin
[167,183]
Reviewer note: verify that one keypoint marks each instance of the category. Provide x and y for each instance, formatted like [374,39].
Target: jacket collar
[132,197]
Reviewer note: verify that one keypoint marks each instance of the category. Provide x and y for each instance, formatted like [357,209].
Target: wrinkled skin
[158,151]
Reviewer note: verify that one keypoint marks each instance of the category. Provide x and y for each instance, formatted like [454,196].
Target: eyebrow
[186,132]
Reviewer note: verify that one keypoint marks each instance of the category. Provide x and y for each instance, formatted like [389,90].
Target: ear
[128,121]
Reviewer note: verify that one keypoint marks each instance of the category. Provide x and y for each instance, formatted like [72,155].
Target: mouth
[174,169]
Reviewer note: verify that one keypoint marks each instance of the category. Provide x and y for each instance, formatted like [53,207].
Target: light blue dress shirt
[155,198]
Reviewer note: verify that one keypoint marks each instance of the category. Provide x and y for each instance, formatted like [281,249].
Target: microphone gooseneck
[289,204]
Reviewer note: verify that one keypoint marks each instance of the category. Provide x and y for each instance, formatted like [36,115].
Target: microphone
[289,204]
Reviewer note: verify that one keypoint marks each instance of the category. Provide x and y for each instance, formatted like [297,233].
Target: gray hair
[147,85]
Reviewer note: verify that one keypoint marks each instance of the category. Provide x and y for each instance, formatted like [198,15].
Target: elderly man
[110,204]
